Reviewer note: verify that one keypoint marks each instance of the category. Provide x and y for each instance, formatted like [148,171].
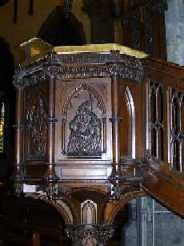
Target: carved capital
[83,235]
[29,76]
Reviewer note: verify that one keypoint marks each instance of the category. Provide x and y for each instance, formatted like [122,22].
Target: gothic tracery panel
[127,124]
[88,212]
[176,129]
[155,119]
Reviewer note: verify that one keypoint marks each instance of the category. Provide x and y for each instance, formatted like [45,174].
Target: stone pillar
[89,235]
[100,13]
[174,19]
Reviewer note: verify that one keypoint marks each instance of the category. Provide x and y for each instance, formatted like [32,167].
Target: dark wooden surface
[111,101]
[119,104]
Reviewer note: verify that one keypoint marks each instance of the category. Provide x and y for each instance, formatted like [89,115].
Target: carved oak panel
[83,130]
[36,122]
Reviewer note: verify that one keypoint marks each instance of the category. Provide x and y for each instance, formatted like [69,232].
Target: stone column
[174,19]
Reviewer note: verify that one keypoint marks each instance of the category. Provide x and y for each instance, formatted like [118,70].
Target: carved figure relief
[85,132]
[83,125]
[36,125]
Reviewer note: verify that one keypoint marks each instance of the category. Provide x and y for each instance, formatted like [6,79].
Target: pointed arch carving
[127,125]
[84,86]
[132,134]
[88,212]
[176,144]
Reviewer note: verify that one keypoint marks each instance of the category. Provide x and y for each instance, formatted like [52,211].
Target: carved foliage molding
[79,66]
[84,235]
[30,76]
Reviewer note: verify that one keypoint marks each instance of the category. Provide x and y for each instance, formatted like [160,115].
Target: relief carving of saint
[37,124]
[85,132]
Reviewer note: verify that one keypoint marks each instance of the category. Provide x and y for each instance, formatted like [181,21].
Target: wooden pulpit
[97,125]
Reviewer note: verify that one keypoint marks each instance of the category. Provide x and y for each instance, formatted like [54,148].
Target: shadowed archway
[30,216]
[7,109]
[59,29]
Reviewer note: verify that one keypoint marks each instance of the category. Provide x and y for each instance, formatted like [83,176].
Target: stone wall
[151,224]
[175,31]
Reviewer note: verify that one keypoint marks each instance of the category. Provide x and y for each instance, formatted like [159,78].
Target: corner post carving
[51,128]
[115,114]
[114,178]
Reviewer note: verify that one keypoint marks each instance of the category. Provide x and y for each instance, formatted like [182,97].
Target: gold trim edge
[36,48]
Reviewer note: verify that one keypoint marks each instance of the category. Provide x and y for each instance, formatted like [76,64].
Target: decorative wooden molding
[90,65]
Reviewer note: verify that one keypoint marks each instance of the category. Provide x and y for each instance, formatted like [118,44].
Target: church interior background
[150,212]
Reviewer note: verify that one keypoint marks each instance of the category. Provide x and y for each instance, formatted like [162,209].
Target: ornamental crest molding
[72,66]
